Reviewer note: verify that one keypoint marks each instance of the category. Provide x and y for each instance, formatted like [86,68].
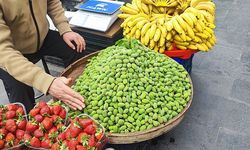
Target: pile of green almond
[128,87]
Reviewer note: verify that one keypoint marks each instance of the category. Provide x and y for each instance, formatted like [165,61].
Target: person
[24,38]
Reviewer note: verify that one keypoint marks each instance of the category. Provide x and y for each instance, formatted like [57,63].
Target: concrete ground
[219,117]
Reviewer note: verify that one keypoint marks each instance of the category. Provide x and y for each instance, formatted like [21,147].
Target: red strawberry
[42,104]
[92,142]
[53,133]
[38,118]
[33,112]
[68,135]
[21,124]
[60,127]
[27,137]
[31,127]
[85,122]
[2,123]
[20,111]
[90,129]
[11,125]
[61,136]
[82,138]
[35,142]
[38,133]
[75,130]
[55,146]
[80,147]
[56,109]
[99,135]
[72,144]
[66,143]
[1,144]
[46,135]
[17,141]
[47,123]
[12,107]
[10,139]
[19,134]
[63,113]
[46,144]
[3,133]
[56,119]
[45,111]
[10,114]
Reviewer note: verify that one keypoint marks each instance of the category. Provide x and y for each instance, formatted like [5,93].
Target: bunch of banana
[189,24]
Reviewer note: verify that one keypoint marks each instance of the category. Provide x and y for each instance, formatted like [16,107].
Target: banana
[124,16]
[157,35]
[197,39]
[173,4]
[125,22]
[181,43]
[202,47]
[162,49]
[192,10]
[206,7]
[207,33]
[188,38]
[161,21]
[132,6]
[176,25]
[155,10]
[169,46]
[151,44]
[152,31]
[194,3]
[169,36]
[181,22]
[145,8]
[146,38]
[187,18]
[169,25]
[192,47]
[132,31]
[170,11]
[145,28]
[147,2]
[178,38]
[162,40]
[210,25]
[141,23]
[183,36]
[137,34]
[162,10]
[128,10]
[209,45]
[181,47]
[156,48]
[209,18]
[202,35]
[163,31]
[135,21]
[198,27]
[150,7]
[192,16]
[139,4]
[209,3]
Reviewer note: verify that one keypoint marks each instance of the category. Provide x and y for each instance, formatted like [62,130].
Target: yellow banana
[137,34]
[194,3]
[169,36]
[209,45]
[150,7]
[197,39]
[202,35]
[169,25]
[132,6]
[152,31]
[187,18]
[145,8]
[162,49]
[151,44]
[139,4]
[128,10]
[181,43]
[155,10]
[206,7]
[192,16]
[169,46]
[188,38]
[141,23]
[210,25]
[181,47]
[192,47]
[209,18]
[132,31]
[173,4]
[162,40]
[170,11]
[157,35]
[161,21]
[176,25]
[178,38]
[147,1]
[146,38]
[135,21]
[183,36]
[198,27]
[145,28]
[125,22]
[156,48]
[181,22]
[162,10]
[123,16]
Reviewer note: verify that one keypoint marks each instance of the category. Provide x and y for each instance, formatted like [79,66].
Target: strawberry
[45,111]
[92,141]
[80,147]
[53,133]
[11,125]
[82,138]
[2,123]
[17,141]
[12,107]
[56,119]
[33,112]
[47,123]
[10,114]
[1,144]
[61,136]
[3,133]
[19,134]
[72,144]
[38,133]
[46,144]
[35,142]
[75,130]
[60,127]
[31,127]
[90,129]
[56,109]
[20,111]
[85,122]
[63,113]
[65,143]
[27,137]
[68,135]
[21,124]
[10,139]
[38,118]
[55,146]
[42,104]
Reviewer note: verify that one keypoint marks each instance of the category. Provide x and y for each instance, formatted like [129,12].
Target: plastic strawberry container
[19,146]
[183,57]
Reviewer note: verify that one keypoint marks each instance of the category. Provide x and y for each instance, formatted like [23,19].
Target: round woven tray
[75,70]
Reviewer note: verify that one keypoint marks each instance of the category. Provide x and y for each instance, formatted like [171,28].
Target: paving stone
[241,90]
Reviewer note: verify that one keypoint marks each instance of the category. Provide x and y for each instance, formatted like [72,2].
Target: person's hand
[69,37]
[60,89]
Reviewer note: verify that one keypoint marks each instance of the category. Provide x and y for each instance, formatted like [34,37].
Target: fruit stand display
[134,92]
[189,24]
